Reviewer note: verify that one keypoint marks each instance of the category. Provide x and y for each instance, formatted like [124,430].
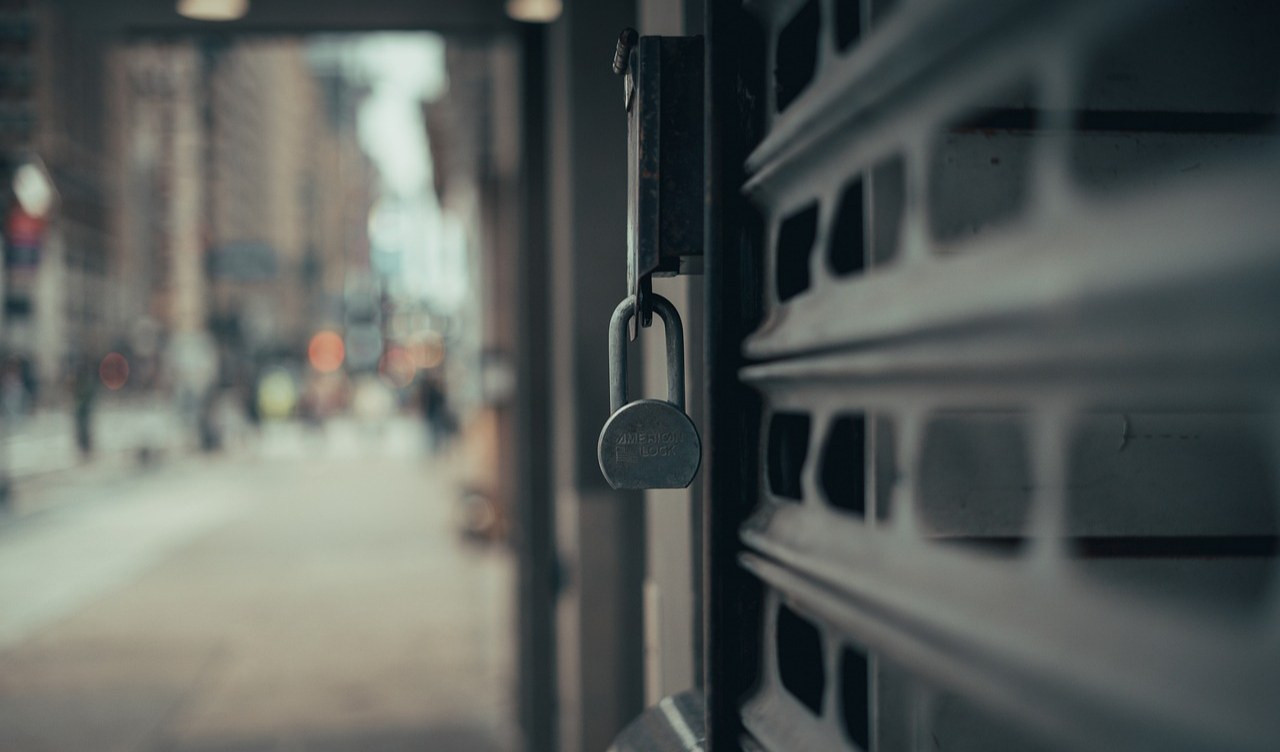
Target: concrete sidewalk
[39,455]
[45,441]
[304,604]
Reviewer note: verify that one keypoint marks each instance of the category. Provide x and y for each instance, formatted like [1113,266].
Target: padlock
[648,443]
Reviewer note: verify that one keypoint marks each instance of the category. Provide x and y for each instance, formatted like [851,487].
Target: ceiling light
[213,10]
[534,11]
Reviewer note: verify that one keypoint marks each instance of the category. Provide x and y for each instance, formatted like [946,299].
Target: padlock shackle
[674,331]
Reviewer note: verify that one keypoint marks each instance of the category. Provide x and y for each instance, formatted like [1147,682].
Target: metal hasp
[665,187]
[648,443]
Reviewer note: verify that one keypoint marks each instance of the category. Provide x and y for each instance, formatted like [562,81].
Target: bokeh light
[429,352]
[371,400]
[114,371]
[277,394]
[397,367]
[326,351]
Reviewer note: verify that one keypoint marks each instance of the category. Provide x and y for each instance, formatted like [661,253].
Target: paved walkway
[45,442]
[283,604]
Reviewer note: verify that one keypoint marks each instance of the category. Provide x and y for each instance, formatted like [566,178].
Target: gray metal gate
[1005,277]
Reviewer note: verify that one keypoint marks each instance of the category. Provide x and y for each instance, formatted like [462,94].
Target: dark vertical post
[534,501]
[599,532]
[731,606]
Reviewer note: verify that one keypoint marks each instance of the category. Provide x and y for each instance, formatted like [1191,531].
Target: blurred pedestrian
[84,390]
[13,390]
[435,410]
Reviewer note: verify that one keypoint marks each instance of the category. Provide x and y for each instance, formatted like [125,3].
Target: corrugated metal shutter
[1018,358]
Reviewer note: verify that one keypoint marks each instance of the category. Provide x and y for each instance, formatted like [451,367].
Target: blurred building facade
[59,281]
[210,191]
[290,194]
[474,140]
[156,129]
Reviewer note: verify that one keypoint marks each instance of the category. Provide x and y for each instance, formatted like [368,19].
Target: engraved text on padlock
[648,443]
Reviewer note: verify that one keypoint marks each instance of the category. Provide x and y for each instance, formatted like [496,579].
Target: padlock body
[649,444]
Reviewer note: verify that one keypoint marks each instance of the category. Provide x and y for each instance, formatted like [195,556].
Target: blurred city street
[308,592]
[250,400]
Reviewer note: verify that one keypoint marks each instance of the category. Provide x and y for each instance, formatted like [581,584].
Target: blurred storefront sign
[243,262]
[364,346]
[24,236]
[26,226]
